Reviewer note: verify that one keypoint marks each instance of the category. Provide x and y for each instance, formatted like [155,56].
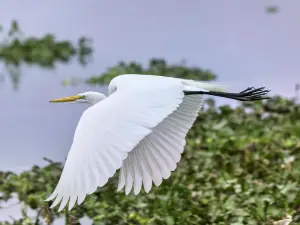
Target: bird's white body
[140,129]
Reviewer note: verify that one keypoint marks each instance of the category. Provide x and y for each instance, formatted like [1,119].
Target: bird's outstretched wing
[107,132]
[159,152]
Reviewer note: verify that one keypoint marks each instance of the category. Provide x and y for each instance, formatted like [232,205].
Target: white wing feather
[158,153]
[108,131]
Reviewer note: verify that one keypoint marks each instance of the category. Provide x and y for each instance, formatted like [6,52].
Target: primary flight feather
[140,129]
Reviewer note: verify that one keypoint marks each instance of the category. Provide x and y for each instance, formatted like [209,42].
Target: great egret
[140,129]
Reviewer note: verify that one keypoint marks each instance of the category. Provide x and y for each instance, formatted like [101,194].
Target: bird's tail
[206,86]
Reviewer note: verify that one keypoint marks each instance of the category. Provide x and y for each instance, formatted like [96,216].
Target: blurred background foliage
[155,66]
[17,49]
[240,165]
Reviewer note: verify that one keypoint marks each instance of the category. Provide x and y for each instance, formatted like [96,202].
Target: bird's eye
[83,96]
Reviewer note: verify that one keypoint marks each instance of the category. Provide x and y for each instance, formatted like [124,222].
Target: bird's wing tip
[48,199]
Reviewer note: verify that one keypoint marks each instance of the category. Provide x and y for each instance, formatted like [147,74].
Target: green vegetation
[155,66]
[17,49]
[240,166]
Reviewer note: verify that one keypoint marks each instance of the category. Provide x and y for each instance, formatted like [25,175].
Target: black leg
[249,94]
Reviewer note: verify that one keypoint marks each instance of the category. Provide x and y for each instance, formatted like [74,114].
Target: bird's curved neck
[96,98]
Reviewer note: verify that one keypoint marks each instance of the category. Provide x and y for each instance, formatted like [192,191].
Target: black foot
[251,94]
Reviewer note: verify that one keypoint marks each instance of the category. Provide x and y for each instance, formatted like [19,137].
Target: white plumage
[140,129]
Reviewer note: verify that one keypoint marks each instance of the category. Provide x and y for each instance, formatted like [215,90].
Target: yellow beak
[67,99]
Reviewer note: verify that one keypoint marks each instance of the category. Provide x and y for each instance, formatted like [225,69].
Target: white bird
[140,129]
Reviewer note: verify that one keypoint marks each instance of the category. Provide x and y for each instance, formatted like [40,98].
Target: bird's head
[86,97]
